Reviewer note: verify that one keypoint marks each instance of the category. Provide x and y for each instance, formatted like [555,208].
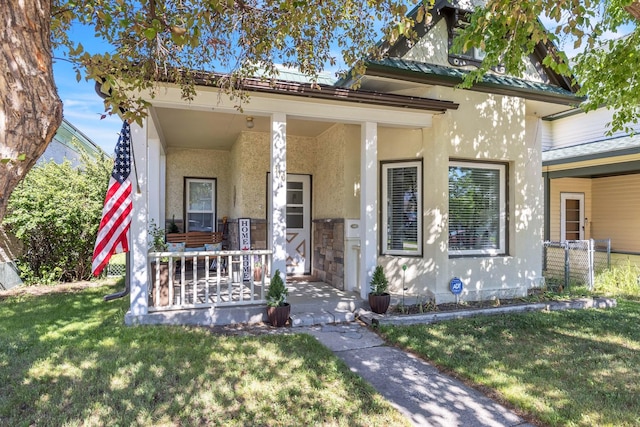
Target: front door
[572,216]
[298,224]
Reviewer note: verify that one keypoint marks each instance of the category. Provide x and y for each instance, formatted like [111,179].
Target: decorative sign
[456,286]
[244,234]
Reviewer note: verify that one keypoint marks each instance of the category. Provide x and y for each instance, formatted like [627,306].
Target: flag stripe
[113,232]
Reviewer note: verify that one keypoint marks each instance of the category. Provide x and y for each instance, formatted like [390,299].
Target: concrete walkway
[418,390]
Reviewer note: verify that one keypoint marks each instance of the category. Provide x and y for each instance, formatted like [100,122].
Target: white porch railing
[204,279]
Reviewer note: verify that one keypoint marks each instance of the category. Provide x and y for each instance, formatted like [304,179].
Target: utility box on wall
[352,254]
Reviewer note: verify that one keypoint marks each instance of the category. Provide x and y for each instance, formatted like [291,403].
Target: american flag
[113,234]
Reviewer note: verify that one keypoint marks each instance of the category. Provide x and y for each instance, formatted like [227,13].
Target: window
[401,209]
[474,54]
[477,208]
[200,204]
[457,21]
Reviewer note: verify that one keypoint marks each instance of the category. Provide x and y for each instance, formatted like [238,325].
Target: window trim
[502,249]
[214,212]
[384,167]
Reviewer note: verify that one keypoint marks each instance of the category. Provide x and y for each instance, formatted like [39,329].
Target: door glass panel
[295,217]
[572,217]
[295,221]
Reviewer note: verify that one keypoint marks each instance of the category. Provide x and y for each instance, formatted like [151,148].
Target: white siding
[580,129]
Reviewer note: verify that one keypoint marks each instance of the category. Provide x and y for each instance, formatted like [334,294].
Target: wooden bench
[195,239]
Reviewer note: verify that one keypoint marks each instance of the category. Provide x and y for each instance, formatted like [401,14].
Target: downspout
[123,293]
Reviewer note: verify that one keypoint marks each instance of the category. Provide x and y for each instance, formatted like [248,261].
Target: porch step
[321,317]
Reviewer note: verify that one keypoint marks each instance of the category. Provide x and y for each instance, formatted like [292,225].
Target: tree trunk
[634,9]
[30,109]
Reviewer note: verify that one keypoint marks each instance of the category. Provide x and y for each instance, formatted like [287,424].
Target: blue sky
[82,107]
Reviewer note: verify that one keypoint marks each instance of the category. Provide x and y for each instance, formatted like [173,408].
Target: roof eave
[329,92]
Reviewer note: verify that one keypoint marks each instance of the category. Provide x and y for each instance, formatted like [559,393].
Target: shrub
[277,293]
[55,213]
[379,283]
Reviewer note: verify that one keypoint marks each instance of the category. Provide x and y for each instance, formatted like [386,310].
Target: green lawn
[571,368]
[67,359]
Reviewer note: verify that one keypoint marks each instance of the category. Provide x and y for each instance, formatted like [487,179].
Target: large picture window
[401,208]
[200,195]
[477,208]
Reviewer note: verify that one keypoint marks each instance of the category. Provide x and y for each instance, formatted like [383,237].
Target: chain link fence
[575,262]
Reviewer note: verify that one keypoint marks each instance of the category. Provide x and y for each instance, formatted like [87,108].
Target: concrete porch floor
[312,303]
[317,303]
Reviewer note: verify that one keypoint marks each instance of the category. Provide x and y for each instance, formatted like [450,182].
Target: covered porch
[312,303]
[329,144]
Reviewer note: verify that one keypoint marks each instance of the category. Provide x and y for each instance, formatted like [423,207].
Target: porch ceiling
[218,130]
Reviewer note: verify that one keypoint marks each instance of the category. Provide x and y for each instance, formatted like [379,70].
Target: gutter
[333,93]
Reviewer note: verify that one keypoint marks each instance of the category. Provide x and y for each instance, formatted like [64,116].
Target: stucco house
[431,181]
[591,182]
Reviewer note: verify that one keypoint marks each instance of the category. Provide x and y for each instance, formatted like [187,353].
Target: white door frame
[563,214]
[298,258]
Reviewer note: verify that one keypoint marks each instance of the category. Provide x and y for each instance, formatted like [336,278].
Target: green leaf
[150,33]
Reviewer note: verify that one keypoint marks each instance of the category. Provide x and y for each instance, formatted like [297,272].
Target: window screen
[401,210]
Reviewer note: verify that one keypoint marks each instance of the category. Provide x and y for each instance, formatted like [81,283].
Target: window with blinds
[401,208]
[477,208]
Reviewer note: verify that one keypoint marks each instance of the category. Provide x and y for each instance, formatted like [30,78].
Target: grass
[569,368]
[66,359]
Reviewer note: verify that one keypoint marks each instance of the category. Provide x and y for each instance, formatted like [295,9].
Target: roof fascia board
[265,104]
[349,95]
[624,168]
[606,155]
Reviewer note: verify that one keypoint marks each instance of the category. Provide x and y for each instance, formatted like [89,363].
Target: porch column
[278,214]
[155,182]
[368,204]
[139,296]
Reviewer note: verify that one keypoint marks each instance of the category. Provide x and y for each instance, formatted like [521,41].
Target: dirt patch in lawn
[45,290]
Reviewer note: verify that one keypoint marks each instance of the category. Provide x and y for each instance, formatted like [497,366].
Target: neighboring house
[407,170]
[67,144]
[592,182]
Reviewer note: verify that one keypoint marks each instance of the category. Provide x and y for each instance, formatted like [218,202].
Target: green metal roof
[450,76]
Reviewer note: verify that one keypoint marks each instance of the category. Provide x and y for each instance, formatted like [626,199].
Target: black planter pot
[278,316]
[379,303]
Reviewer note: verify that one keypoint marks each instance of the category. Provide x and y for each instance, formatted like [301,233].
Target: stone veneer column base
[328,251]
